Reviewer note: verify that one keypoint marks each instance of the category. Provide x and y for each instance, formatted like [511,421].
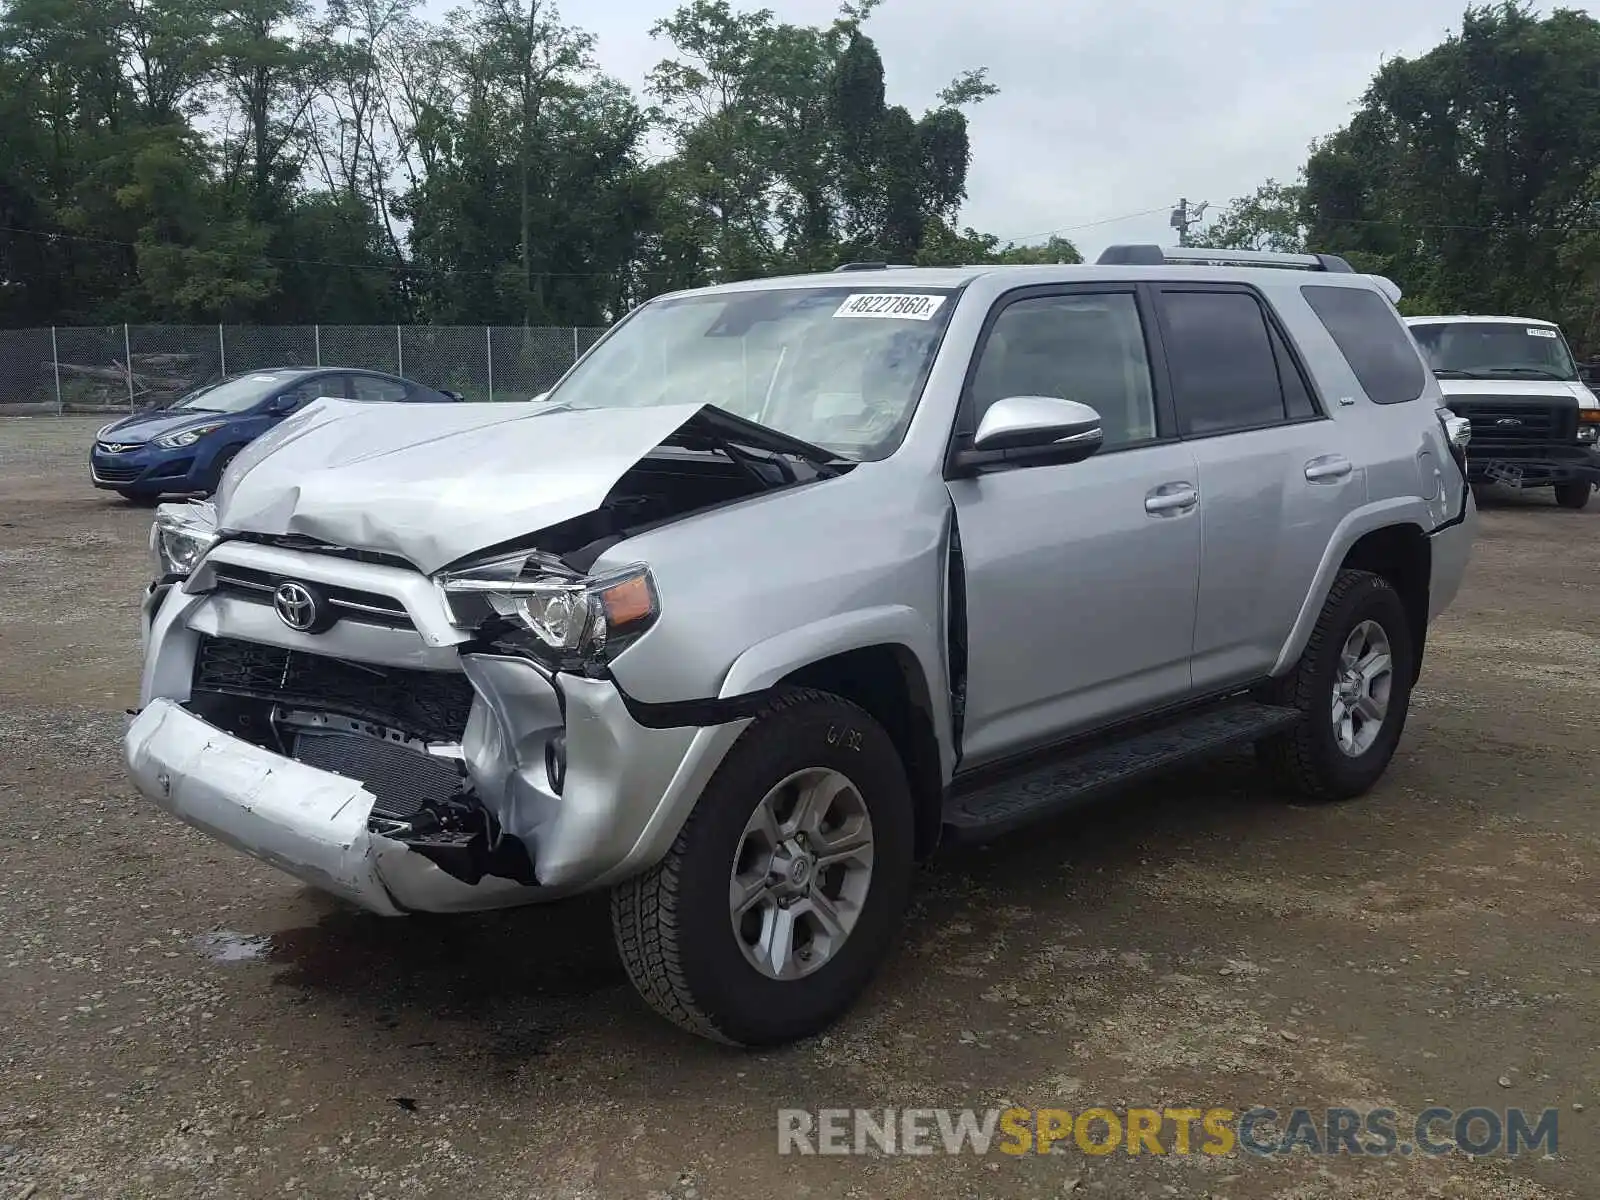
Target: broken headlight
[180,537]
[567,621]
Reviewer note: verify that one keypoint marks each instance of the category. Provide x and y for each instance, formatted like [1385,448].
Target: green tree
[1468,174]
[1267,219]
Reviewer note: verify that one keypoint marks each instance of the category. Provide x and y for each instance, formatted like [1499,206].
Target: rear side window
[1369,334]
[1223,362]
[369,387]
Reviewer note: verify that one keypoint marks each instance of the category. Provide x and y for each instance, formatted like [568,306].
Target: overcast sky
[1108,109]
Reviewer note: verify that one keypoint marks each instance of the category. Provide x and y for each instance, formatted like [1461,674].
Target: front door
[1080,578]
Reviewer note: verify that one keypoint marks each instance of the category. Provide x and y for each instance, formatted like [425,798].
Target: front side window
[1087,347]
[1495,350]
[840,367]
[1222,361]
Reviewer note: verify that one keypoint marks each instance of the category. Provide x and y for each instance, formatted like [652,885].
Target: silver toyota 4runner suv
[786,582]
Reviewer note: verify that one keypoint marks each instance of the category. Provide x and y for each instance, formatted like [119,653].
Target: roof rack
[871,266]
[1158,256]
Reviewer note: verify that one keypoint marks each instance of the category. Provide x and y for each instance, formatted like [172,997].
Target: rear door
[1276,476]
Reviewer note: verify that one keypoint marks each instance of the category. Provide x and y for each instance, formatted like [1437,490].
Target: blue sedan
[184,447]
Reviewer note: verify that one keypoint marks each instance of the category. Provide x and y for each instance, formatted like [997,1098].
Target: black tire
[1308,759]
[1573,495]
[221,465]
[673,926]
[141,499]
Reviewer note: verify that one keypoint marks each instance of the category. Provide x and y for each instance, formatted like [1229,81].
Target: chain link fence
[123,367]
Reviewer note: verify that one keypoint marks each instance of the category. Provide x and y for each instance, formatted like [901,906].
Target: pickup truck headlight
[188,437]
[180,537]
[567,621]
[1589,424]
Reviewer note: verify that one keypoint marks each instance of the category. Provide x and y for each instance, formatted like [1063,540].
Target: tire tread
[644,909]
[1292,758]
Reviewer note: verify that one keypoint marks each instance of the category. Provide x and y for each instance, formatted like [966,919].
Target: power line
[1028,237]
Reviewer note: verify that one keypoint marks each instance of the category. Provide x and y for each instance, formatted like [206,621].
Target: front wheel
[1573,495]
[1353,687]
[787,885]
[221,465]
[141,499]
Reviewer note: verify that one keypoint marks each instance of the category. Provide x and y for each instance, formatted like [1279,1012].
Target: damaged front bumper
[311,823]
[554,763]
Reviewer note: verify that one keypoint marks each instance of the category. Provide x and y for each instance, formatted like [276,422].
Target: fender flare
[1401,510]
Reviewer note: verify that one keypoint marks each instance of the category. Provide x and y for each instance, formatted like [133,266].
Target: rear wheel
[786,887]
[1353,685]
[1573,495]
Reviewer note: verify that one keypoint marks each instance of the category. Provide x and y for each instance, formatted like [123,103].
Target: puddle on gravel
[224,945]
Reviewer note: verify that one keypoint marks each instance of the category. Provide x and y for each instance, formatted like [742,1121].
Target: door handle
[1328,468]
[1171,498]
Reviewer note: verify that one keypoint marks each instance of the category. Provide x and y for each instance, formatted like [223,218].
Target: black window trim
[964,426]
[1273,323]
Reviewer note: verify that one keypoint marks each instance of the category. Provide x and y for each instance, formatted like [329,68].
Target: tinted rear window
[1372,339]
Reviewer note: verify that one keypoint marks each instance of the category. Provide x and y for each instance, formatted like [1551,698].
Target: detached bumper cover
[307,822]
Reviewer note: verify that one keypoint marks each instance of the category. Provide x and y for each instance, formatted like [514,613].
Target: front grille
[118,447]
[402,779]
[1508,423]
[117,474]
[353,604]
[433,705]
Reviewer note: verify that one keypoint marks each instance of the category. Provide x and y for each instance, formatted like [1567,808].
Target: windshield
[1495,350]
[234,395]
[839,367]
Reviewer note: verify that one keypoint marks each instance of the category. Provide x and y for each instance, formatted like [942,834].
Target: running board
[998,806]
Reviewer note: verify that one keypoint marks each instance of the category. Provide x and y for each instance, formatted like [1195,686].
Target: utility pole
[1186,215]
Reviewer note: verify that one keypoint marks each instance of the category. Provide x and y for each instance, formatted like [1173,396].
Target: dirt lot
[178,1020]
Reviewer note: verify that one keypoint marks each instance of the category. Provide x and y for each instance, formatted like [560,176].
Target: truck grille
[372,608]
[1510,423]
[432,705]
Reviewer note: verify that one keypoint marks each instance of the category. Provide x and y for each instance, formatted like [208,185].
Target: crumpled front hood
[433,483]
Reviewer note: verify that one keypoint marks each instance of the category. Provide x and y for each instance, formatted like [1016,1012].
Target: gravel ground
[177,1020]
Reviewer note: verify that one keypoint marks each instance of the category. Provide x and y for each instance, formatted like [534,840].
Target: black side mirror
[1030,431]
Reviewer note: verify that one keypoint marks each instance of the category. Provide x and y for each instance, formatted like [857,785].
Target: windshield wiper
[1448,373]
[1536,372]
[730,427]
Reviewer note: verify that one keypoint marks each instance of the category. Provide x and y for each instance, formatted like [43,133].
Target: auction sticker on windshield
[1534,331]
[899,305]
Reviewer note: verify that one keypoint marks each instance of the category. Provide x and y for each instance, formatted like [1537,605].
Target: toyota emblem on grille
[1509,421]
[297,606]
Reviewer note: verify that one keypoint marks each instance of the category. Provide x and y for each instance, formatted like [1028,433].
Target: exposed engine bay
[715,459]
